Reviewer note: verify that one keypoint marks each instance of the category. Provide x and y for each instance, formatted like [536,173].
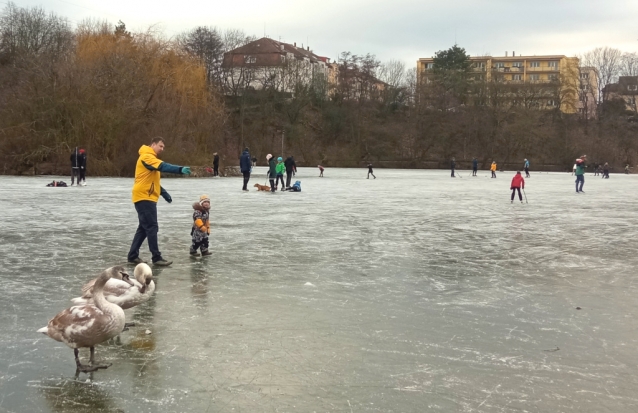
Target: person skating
[321,168]
[627,169]
[452,166]
[78,162]
[526,166]
[290,169]
[281,168]
[517,183]
[201,227]
[215,164]
[146,192]
[493,169]
[580,173]
[370,172]
[82,179]
[245,165]
[474,166]
[606,171]
[272,171]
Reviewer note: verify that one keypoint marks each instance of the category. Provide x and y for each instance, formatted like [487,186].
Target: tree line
[108,90]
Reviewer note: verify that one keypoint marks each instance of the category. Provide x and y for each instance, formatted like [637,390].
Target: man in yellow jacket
[146,192]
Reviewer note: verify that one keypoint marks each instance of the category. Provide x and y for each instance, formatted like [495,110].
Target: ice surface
[428,294]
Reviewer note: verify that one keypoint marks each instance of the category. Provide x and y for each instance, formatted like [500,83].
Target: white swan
[90,324]
[121,292]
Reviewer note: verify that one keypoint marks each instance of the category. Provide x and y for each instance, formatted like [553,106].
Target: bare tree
[205,43]
[629,64]
[607,63]
[32,32]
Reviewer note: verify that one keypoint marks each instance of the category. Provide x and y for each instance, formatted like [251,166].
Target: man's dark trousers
[147,229]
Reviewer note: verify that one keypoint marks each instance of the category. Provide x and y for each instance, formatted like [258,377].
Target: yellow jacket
[147,176]
[493,167]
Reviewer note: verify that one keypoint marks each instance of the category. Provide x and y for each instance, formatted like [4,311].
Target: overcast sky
[391,29]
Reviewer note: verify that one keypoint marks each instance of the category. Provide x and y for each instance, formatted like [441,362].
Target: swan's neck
[101,302]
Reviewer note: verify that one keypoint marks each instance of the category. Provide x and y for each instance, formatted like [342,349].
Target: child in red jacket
[517,183]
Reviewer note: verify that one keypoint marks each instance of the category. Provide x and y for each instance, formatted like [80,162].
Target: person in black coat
[245,165]
[291,167]
[215,164]
[370,172]
[78,166]
[452,166]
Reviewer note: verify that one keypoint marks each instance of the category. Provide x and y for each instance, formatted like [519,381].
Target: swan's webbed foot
[88,368]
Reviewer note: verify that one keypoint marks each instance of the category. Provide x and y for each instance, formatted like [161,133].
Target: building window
[584,75]
[517,77]
[633,88]
[500,65]
[552,78]
[250,59]
[535,64]
[552,103]
[534,78]
[553,64]
[429,65]
[517,64]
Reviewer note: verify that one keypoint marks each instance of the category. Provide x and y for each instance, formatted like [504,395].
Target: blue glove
[186,170]
[166,197]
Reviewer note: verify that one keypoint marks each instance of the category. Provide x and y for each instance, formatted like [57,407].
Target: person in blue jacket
[245,164]
[526,167]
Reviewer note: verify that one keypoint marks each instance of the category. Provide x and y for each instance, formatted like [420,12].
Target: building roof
[270,46]
[622,87]
[512,58]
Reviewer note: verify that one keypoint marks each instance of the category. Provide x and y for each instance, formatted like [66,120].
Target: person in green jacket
[280,168]
[580,173]
[272,171]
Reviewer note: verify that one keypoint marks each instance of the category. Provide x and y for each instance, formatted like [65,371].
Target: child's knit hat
[204,198]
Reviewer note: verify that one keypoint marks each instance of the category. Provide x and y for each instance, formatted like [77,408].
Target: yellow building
[551,69]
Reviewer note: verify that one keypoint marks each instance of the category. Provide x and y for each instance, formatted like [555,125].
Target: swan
[90,324]
[124,293]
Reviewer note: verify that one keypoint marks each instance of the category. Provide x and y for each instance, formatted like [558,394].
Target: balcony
[514,69]
[543,69]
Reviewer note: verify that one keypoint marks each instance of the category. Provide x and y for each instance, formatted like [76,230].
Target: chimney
[295,44]
[308,48]
[282,47]
[512,53]
[505,54]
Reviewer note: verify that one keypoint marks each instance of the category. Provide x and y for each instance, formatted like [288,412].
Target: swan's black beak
[148,281]
[127,279]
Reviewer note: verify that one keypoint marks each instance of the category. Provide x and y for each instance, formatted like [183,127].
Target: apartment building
[268,63]
[626,89]
[588,92]
[549,69]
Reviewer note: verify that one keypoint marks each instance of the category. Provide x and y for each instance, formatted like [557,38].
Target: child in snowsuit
[201,226]
[517,182]
[272,172]
[493,169]
[281,168]
[296,187]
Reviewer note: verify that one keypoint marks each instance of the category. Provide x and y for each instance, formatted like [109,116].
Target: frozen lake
[427,294]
